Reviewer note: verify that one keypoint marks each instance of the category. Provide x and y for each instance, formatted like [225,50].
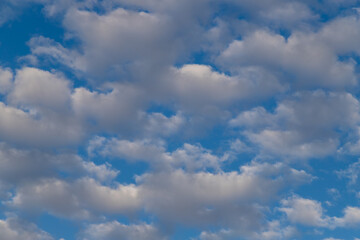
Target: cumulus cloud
[80,199]
[303,126]
[216,98]
[6,80]
[289,15]
[126,37]
[14,228]
[111,111]
[26,128]
[224,199]
[271,231]
[37,88]
[115,230]
[310,212]
[18,166]
[308,60]
[202,198]
[199,86]
[192,157]
[304,211]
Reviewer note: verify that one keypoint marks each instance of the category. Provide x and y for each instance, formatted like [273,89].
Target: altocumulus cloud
[160,120]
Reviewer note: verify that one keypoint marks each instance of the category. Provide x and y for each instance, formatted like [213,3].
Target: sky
[179,120]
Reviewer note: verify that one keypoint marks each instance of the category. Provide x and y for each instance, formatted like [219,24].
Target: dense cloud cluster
[167,119]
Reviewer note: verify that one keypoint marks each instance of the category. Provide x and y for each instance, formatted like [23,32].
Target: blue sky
[179,120]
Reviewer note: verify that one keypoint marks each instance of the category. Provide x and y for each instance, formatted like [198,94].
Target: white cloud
[351,218]
[310,212]
[81,199]
[53,51]
[112,111]
[222,234]
[157,124]
[192,157]
[13,228]
[223,198]
[302,126]
[6,80]
[289,14]
[37,88]
[198,86]
[120,36]
[27,128]
[20,166]
[274,230]
[291,144]
[204,62]
[115,230]
[352,173]
[304,211]
[271,231]
[308,60]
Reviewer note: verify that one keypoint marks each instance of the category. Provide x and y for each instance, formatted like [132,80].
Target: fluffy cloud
[13,228]
[23,166]
[79,199]
[303,126]
[6,77]
[162,83]
[351,218]
[202,198]
[26,128]
[272,231]
[115,230]
[304,211]
[289,14]
[126,37]
[111,111]
[20,166]
[223,199]
[309,59]
[310,212]
[199,86]
[191,157]
[37,88]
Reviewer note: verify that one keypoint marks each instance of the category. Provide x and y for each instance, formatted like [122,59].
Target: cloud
[14,228]
[80,199]
[218,99]
[115,230]
[306,59]
[19,166]
[192,157]
[271,231]
[230,199]
[351,173]
[304,211]
[37,88]
[310,212]
[6,78]
[288,15]
[302,126]
[111,111]
[127,38]
[199,86]
[27,128]
[351,218]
